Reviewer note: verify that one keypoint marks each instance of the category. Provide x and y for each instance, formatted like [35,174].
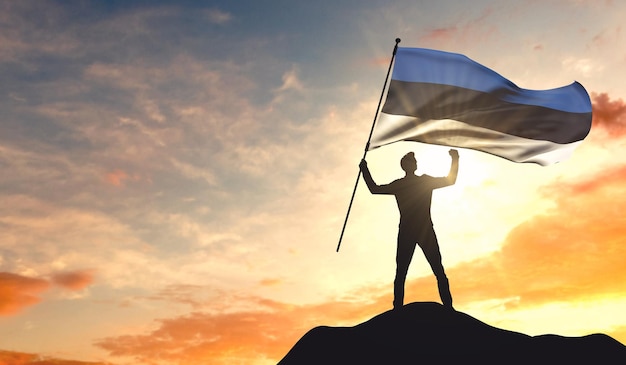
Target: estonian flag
[447,99]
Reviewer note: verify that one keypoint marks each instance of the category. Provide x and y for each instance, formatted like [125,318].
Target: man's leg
[404,254]
[430,247]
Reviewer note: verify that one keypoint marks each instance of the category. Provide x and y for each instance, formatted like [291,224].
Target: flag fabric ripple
[447,99]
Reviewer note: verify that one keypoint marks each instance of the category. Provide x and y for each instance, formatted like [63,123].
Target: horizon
[176,176]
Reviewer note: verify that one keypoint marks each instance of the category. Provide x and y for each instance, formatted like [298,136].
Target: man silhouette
[414,194]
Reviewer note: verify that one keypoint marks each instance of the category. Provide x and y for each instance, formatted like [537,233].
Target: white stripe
[393,128]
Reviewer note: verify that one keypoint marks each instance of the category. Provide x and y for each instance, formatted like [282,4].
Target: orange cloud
[21,358]
[603,180]
[182,294]
[266,333]
[116,178]
[462,32]
[18,292]
[119,178]
[609,114]
[380,61]
[73,280]
[270,282]
[442,34]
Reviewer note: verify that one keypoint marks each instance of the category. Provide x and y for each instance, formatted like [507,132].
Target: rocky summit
[429,333]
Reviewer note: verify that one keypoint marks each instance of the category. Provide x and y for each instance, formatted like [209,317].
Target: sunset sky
[175,176]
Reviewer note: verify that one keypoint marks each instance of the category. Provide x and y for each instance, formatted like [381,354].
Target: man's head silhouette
[408,163]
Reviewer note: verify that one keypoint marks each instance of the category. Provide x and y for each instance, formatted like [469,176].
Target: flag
[448,99]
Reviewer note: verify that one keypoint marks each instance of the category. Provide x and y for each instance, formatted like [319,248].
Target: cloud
[442,34]
[196,296]
[194,172]
[116,177]
[23,358]
[583,66]
[261,335]
[291,81]
[17,40]
[217,16]
[610,115]
[463,32]
[18,292]
[270,282]
[607,37]
[601,181]
[73,280]
[41,237]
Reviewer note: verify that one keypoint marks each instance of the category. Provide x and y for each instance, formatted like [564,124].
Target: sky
[175,176]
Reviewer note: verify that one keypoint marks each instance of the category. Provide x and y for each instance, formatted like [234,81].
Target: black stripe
[434,101]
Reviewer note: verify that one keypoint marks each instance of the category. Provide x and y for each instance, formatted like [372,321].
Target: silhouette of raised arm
[371,185]
[454,167]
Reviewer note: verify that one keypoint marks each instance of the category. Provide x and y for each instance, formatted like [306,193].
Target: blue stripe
[438,67]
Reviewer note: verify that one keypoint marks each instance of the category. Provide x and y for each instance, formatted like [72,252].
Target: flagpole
[367,145]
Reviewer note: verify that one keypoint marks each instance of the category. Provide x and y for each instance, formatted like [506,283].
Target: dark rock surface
[431,334]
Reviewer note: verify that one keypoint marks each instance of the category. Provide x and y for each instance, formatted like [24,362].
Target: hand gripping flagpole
[367,145]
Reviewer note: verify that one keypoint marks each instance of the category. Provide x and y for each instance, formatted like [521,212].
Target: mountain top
[429,332]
